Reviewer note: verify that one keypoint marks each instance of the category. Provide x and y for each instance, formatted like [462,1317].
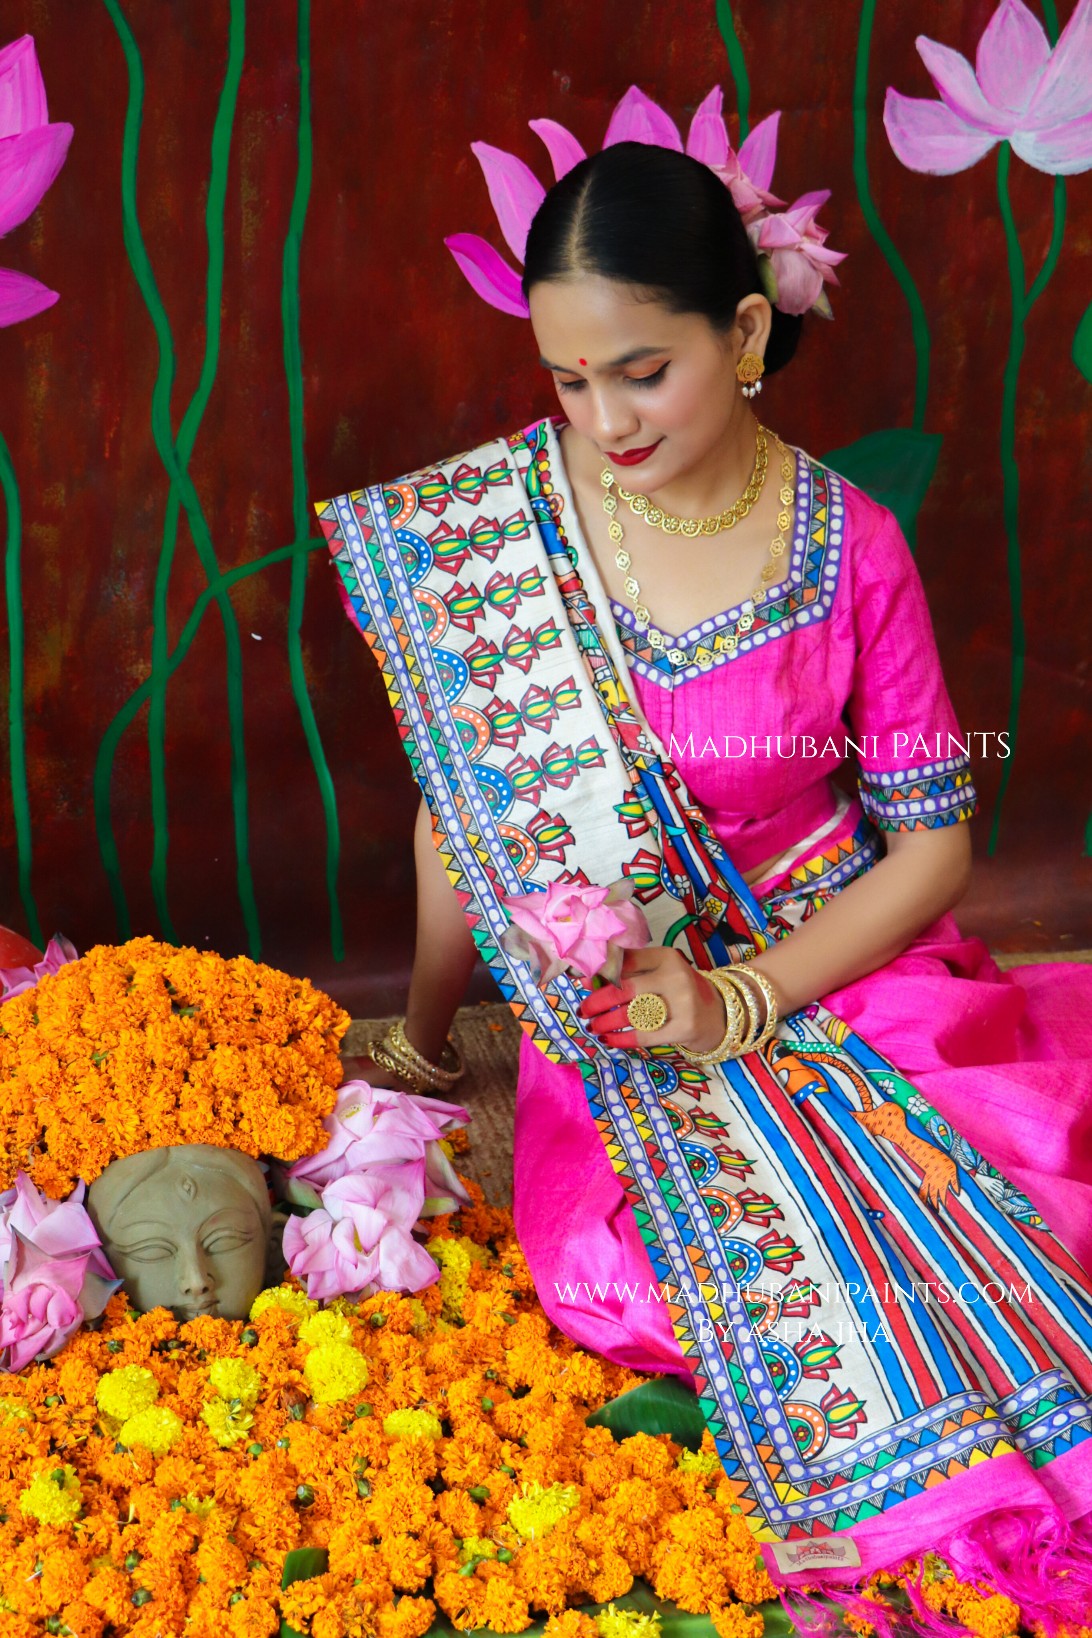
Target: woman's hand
[695,1010]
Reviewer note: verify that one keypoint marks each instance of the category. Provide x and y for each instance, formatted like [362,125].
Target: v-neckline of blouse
[805,595]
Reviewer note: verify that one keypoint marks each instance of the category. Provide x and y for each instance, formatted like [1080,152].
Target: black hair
[658,220]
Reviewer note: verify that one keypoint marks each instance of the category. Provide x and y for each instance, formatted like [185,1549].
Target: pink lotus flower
[572,928]
[14,980]
[360,1239]
[794,256]
[371,1126]
[516,193]
[55,1274]
[1020,91]
[32,151]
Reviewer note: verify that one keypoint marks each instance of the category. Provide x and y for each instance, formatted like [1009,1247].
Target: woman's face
[633,377]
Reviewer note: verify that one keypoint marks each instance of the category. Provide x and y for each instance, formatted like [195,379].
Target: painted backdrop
[256,310]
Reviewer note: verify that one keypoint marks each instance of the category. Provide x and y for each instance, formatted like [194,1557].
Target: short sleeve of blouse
[914,768]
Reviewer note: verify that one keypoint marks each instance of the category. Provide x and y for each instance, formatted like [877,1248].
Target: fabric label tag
[824,1553]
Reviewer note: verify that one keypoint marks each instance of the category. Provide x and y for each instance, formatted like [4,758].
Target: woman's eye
[568,386]
[648,380]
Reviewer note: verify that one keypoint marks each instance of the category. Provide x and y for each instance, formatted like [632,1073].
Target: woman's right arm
[445,953]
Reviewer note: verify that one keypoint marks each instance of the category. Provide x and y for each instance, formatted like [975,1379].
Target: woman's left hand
[695,1009]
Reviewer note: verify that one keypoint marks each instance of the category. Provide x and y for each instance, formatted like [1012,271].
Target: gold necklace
[657,518]
[726,637]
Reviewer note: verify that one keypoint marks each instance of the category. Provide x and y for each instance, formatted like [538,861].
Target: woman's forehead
[602,320]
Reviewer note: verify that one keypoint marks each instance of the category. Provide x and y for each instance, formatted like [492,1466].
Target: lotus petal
[21,297]
[637,118]
[28,165]
[798,283]
[1061,151]
[927,136]
[1064,91]
[707,138]
[758,154]
[22,89]
[515,191]
[487,273]
[1011,56]
[954,78]
[561,145]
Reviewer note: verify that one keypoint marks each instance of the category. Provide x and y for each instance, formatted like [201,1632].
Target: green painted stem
[182,485]
[104,762]
[293,369]
[187,434]
[737,63]
[17,739]
[919,324]
[1022,302]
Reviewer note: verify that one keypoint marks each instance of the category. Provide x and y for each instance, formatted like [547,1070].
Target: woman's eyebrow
[615,363]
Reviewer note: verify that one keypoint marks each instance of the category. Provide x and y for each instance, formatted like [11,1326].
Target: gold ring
[647,1012]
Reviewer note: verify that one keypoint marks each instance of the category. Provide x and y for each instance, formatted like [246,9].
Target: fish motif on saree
[868,1308]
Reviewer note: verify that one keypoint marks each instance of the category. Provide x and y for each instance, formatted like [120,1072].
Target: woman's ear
[754,316]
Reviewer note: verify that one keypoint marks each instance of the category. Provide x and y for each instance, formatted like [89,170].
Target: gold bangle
[728,1045]
[726,975]
[762,983]
[396,1053]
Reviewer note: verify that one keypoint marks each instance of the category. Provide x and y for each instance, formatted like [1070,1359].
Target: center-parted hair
[661,222]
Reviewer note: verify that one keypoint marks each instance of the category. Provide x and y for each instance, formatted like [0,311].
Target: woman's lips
[633,457]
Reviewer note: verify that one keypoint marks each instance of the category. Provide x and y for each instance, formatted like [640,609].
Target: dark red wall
[401,363]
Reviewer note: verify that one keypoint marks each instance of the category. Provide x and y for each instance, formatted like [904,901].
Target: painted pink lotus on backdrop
[793,255]
[1026,96]
[32,152]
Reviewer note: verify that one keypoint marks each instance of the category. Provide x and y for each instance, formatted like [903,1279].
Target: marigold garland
[140,1045]
[460,1476]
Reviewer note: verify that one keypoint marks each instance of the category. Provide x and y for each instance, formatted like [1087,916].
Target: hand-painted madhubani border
[642,1106]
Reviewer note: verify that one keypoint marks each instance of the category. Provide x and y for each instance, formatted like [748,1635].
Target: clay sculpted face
[185,1228]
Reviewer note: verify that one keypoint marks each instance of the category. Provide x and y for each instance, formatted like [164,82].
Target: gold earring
[749,371]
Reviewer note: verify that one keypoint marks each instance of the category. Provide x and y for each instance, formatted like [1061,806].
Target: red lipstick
[633,457]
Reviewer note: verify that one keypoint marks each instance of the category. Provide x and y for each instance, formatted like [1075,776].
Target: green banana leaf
[663,1405]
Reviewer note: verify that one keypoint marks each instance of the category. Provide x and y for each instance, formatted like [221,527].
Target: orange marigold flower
[570,1624]
[733,1621]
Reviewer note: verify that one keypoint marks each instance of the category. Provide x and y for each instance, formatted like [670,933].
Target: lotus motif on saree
[869,1310]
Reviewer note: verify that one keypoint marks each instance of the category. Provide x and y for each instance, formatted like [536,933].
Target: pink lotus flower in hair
[575,928]
[516,193]
[32,151]
[794,260]
[1020,91]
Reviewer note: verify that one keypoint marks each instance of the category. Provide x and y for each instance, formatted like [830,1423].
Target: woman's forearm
[445,954]
[872,920]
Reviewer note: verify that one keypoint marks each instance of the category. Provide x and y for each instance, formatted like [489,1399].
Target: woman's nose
[613,419]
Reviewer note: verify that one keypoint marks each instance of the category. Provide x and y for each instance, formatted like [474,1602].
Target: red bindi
[582,361]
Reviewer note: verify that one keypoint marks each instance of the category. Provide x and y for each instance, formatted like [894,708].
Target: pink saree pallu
[891,1348]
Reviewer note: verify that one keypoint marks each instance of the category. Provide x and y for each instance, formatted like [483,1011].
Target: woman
[869,1124]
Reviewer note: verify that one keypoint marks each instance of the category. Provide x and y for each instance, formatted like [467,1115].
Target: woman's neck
[717,480]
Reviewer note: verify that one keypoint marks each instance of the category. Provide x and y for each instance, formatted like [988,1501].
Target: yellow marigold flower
[699,1461]
[411,1424]
[235,1379]
[155,1428]
[14,1410]
[123,1393]
[283,1296]
[227,1423]
[615,1623]
[539,1508]
[335,1370]
[53,1496]
[326,1326]
[476,1547]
